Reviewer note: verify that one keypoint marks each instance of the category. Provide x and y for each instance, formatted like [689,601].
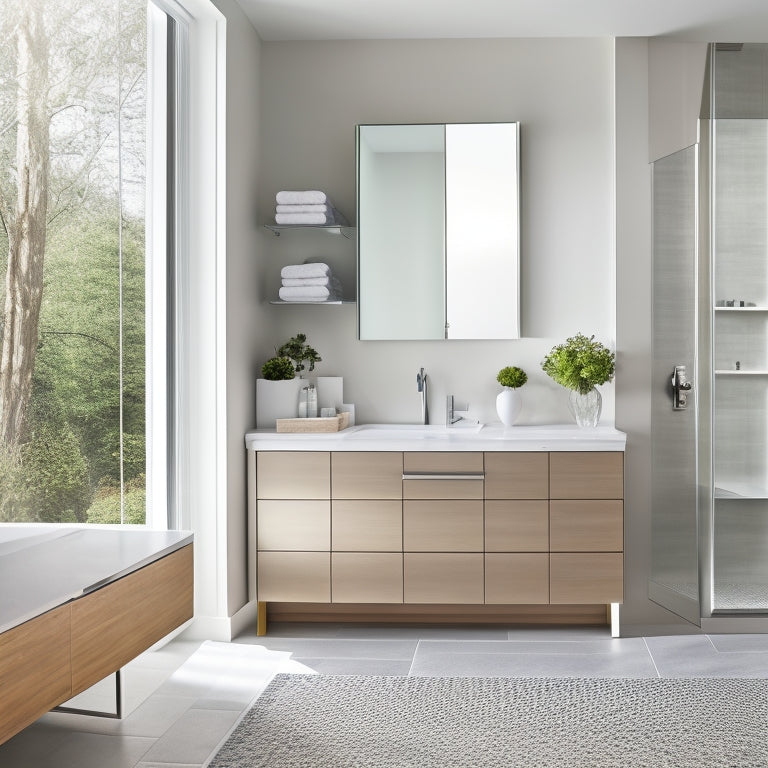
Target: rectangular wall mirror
[438,231]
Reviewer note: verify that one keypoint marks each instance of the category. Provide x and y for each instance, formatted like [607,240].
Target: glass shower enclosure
[710,456]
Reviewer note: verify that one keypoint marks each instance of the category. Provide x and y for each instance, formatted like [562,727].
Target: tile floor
[182,699]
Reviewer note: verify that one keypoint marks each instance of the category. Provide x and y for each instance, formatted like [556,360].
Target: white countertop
[414,437]
[44,566]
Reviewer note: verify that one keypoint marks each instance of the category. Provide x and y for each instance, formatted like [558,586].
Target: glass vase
[586,408]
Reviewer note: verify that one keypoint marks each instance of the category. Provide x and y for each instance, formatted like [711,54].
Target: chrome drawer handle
[447,476]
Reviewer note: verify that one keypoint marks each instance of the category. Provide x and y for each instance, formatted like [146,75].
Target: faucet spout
[421,387]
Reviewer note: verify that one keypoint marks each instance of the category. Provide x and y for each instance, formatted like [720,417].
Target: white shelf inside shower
[741,309]
[740,491]
[734,372]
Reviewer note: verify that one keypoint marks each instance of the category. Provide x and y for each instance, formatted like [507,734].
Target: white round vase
[508,406]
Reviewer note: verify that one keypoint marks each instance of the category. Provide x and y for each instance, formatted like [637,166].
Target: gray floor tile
[293,629]
[421,633]
[605,645]
[194,737]
[168,765]
[740,643]
[697,657]
[94,750]
[32,746]
[557,634]
[523,665]
[357,666]
[329,648]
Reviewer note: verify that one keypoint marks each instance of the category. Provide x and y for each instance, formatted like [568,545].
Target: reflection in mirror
[438,231]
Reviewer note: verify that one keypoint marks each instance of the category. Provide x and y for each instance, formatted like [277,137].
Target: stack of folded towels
[309,282]
[310,206]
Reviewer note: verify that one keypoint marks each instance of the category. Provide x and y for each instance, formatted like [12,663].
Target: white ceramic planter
[276,400]
[508,406]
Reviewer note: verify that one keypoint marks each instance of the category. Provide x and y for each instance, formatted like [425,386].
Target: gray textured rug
[314,721]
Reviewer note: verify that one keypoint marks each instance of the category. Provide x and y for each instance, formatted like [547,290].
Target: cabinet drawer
[443,526]
[299,524]
[517,579]
[586,578]
[367,525]
[443,578]
[586,526]
[587,475]
[513,475]
[444,461]
[517,526]
[293,475]
[35,671]
[365,475]
[424,488]
[303,577]
[114,624]
[368,577]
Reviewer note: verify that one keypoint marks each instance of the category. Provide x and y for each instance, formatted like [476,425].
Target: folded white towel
[305,218]
[302,197]
[313,269]
[297,282]
[307,293]
[304,209]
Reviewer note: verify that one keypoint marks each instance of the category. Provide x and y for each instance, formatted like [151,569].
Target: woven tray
[321,424]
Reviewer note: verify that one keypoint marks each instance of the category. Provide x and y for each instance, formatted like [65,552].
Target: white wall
[312,96]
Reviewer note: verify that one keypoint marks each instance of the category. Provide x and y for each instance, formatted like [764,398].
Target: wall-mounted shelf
[740,491]
[724,372]
[741,309]
[334,229]
[313,303]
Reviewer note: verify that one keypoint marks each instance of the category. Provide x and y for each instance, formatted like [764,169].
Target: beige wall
[313,95]
[292,108]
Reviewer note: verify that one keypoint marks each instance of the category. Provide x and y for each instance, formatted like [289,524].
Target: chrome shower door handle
[680,388]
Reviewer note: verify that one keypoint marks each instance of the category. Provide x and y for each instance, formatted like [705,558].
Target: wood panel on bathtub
[116,623]
[34,670]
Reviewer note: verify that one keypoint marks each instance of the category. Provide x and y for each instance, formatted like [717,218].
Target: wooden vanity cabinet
[367,527]
[586,527]
[516,528]
[293,526]
[465,528]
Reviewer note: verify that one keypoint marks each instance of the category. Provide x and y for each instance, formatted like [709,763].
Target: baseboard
[438,614]
[222,628]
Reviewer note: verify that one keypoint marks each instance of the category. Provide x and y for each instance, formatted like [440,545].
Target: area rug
[314,721]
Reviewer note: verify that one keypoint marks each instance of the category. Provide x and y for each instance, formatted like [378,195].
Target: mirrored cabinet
[438,231]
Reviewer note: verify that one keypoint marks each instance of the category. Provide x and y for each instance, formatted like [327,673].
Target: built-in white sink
[411,431]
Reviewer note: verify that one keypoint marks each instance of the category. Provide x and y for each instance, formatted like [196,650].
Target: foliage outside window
[73,84]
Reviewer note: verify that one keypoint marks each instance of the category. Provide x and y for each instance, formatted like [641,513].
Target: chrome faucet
[421,387]
[450,412]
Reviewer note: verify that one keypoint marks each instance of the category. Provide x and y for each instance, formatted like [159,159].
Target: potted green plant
[277,393]
[579,365]
[297,350]
[508,401]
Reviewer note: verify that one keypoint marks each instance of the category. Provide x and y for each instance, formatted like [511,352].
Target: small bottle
[303,402]
[738,365]
[312,401]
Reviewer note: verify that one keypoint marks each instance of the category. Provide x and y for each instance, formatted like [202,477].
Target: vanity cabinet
[367,527]
[470,528]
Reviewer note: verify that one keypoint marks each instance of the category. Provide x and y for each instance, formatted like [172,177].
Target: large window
[79,255]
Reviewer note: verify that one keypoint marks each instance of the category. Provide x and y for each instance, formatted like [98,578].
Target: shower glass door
[674,581]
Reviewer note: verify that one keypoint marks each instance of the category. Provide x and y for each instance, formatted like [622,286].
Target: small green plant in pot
[579,365]
[508,402]
[297,350]
[277,393]
[278,369]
